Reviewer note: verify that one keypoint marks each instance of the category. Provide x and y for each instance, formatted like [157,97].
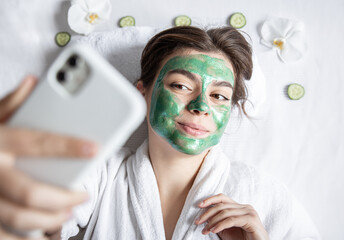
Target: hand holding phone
[81,96]
[26,204]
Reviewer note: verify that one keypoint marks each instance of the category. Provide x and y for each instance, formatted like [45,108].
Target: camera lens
[73,60]
[61,76]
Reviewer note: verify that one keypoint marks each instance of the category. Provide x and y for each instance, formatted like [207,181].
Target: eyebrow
[194,78]
[222,84]
[185,73]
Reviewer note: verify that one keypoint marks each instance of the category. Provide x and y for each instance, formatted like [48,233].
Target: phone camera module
[72,75]
[73,61]
[61,77]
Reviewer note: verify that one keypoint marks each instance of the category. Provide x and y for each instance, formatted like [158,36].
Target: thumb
[9,104]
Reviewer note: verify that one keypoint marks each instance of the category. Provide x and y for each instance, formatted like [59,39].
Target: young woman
[178,184]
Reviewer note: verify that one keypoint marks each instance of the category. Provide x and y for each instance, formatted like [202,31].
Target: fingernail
[212,229]
[89,149]
[29,80]
[69,215]
[197,220]
[201,204]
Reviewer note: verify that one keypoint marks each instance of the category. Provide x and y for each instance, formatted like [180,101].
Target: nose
[199,106]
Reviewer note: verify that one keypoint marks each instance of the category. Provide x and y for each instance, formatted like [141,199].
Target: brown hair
[226,40]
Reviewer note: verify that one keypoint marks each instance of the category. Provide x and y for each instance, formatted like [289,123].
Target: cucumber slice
[127,21]
[62,38]
[295,91]
[237,20]
[182,21]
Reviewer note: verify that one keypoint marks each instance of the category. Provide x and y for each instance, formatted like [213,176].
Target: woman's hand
[231,220]
[26,204]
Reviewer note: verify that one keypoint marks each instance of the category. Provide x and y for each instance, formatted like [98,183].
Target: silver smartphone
[82,95]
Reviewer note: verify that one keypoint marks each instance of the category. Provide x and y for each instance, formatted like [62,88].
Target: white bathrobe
[125,204]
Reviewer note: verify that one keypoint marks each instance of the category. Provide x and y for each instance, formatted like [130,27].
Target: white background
[299,142]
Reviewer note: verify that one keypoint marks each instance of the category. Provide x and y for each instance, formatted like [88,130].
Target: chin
[192,146]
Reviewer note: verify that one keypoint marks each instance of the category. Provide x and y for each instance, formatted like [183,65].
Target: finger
[7,236]
[211,212]
[7,159]
[32,143]
[224,214]
[30,193]
[10,103]
[54,234]
[230,222]
[24,219]
[219,198]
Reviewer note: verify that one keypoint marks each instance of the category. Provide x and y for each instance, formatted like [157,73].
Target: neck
[174,171]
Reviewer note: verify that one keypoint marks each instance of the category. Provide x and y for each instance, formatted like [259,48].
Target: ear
[139,86]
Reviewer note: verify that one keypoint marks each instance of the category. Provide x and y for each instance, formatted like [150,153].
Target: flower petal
[94,4]
[77,20]
[298,41]
[102,7]
[266,43]
[296,27]
[285,36]
[271,29]
[295,47]
[291,53]
[106,11]
[278,28]
[81,3]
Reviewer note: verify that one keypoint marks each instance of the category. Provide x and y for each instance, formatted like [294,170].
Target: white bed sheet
[301,143]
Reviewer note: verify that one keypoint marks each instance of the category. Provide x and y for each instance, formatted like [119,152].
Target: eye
[219,97]
[179,86]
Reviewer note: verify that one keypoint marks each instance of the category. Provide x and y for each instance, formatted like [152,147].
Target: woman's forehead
[208,66]
[191,52]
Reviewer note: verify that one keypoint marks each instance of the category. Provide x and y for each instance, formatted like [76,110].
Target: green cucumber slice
[295,91]
[62,38]
[127,21]
[237,20]
[182,21]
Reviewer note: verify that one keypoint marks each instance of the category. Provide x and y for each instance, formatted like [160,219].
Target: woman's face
[190,101]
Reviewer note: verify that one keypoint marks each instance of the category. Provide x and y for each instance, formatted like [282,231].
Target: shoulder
[119,156]
[267,196]
[248,185]
[107,169]
[280,212]
[255,180]
[95,184]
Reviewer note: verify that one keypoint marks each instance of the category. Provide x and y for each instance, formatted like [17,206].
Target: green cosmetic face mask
[165,105]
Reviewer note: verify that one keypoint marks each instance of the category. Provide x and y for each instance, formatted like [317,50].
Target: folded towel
[122,47]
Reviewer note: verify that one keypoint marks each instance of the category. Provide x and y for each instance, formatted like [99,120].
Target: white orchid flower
[285,36]
[85,15]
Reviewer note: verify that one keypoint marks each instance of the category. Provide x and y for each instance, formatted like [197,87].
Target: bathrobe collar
[145,198]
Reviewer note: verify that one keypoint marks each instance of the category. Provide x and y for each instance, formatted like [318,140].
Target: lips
[193,129]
